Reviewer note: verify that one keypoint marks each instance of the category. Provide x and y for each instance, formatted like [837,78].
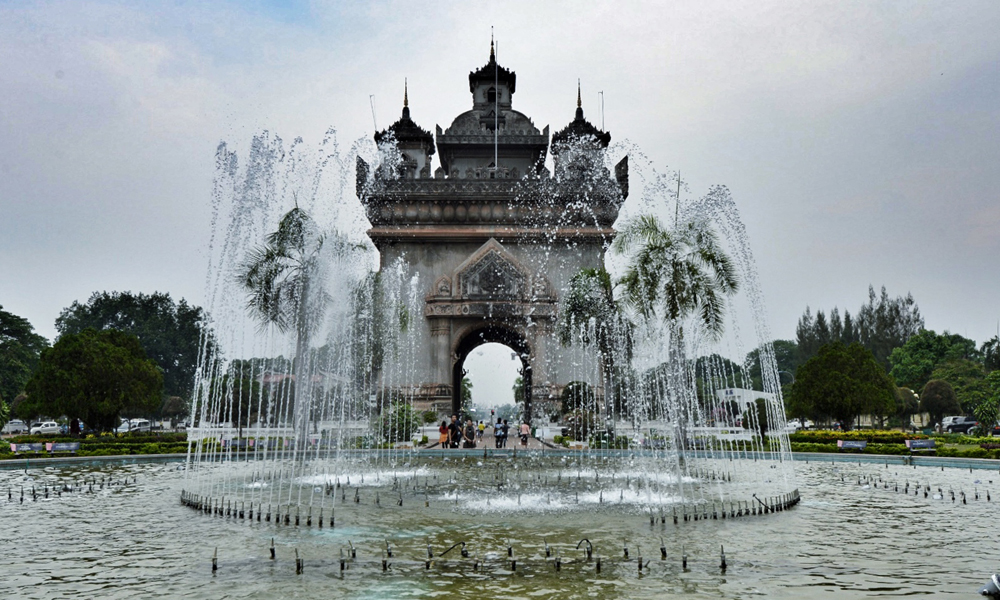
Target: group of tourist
[455,435]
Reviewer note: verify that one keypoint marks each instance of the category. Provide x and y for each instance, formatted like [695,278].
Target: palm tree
[674,273]
[282,279]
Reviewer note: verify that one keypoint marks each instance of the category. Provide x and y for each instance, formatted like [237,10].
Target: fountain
[325,353]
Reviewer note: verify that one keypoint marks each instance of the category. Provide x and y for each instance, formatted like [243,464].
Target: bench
[851,445]
[35,447]
[54,447]
[920,446]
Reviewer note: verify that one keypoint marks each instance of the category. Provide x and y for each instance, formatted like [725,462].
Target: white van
[130,425]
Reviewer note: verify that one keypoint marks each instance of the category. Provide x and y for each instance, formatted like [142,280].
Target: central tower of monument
[493,236]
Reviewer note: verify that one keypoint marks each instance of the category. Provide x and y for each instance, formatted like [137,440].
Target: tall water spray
[309,383]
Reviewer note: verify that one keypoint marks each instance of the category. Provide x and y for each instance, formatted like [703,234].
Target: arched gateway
[493,237]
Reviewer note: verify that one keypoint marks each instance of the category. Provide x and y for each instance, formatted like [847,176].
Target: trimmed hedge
[860,435]
[106,445]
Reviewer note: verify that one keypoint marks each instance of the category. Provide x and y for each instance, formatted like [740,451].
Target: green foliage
[397,424]
[967,378]
[988,410]
[907,402]
[881,325]
[756,417]
[170,333]
[872,436]
[577,395]
[786,357]
[580,423]
[429,417]
[938,399]
[674,273]
[842,382]
[20,350]
[990,351]
[95,376]
[518,389]
[913,364]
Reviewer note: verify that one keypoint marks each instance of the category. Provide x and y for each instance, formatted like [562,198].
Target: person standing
[454,432]
[481,429]
[504,431]
[469,435]
[525,432]
[498,433]
[443,434]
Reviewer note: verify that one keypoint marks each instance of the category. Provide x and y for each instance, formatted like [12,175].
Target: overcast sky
[860,140]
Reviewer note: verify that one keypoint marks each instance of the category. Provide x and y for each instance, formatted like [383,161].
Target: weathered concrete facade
[493,237]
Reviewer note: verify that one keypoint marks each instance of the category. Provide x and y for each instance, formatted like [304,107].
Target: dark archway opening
[485,335]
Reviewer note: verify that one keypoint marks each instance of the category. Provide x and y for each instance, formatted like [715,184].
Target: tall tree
[95,376]
[170,332]
[283,281]
[805,336]
[849,335]
[822,329]
[590,314]
[842,382]
[887,323]
[938,399]
[990,351]
[20,350]
[836,326]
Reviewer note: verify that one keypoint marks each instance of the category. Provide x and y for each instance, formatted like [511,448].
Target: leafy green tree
[938,399]
[673,273]
[842,382]
[577,395]
[990,351]
[20,350]
[95,376]
[170,332]
[907,404]
[466,395]
[591,314]
[914,362]
[988,410]
[755,418]
[967,378]
[518,390]
[786,355]
[397,424]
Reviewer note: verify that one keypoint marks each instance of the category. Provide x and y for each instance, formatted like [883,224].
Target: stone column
[440,350]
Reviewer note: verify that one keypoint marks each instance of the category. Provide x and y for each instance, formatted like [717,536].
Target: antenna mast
[371,100]
[496,104]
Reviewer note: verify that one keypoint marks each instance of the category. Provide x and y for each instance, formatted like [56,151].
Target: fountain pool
[855,534]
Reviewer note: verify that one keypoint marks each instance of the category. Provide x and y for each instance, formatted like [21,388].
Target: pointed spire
[579,100]
[493,56]
[406,99]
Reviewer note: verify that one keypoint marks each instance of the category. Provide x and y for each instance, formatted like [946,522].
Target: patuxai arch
[493,236]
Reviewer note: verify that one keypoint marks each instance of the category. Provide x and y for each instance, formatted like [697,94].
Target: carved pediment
[491,273]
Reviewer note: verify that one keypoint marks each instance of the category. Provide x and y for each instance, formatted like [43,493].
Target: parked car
[960,424]
[15,426]
[133,425]
[45,428]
